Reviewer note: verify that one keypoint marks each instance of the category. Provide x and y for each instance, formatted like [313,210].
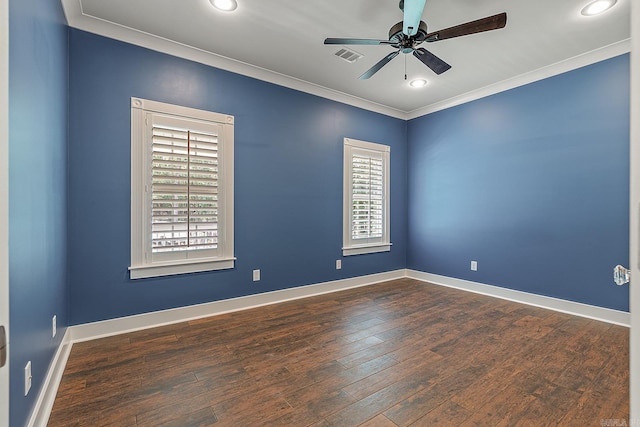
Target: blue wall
[38,94]
[288,180]
[533,183]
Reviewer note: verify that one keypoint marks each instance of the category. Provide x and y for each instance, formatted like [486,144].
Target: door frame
[634,228]
[4,201]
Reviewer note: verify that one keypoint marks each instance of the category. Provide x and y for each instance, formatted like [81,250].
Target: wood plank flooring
[400,353]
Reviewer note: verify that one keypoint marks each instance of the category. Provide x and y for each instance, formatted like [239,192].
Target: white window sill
[183,267]
[366,249]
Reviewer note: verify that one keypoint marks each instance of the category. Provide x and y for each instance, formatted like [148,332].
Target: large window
[181,190]
[366,198]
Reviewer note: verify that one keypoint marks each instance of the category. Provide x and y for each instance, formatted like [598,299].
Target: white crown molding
[121,325]
[615,317]
[44,404]
[570,64]
[76,18]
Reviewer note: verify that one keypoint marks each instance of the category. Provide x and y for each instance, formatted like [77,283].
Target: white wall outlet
[338,264]
[256,275]
[54,326]
[27,378]
[474,265]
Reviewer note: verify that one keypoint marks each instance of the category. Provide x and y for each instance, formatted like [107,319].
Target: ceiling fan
[407,35]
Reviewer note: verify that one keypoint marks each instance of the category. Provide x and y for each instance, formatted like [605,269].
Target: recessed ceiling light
[597,7]
[225,5]
[418,83]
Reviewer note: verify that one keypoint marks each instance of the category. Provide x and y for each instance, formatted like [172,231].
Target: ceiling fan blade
[485,24]
[355,41]
[371,71]
[436,64]
[412,15]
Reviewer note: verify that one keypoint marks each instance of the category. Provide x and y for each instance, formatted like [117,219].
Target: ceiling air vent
[348,55]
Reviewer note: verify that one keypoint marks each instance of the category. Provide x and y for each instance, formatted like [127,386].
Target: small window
[366,198]
[181,190]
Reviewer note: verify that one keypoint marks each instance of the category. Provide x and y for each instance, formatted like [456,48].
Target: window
[181,190]
[366,198]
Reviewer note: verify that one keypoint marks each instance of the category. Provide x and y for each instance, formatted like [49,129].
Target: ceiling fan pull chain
[405,67]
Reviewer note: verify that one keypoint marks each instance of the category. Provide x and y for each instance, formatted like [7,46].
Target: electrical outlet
[54,327]
[338,264]
[27,378]
[256,275]
[474,265]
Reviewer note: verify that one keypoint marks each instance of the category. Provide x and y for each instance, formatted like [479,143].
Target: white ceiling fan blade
[412,16]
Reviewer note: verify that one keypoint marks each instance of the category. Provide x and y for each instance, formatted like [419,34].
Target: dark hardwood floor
[394,354]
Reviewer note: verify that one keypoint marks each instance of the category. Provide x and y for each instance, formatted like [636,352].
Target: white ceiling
[282,41]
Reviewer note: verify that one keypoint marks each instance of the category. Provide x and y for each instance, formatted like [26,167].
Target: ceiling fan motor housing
[404,42]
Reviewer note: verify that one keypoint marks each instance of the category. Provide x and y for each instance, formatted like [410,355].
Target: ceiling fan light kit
[225,5]
[597,7]
[407,35]
[418,83]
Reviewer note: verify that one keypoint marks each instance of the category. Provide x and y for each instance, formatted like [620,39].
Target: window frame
[351,246]
[143,264]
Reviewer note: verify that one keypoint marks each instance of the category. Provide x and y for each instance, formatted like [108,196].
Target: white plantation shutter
[367,183]
[366,197]
[182,190]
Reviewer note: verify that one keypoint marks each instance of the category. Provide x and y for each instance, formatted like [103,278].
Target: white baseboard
[615,317]
[90,331]
[44,403]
